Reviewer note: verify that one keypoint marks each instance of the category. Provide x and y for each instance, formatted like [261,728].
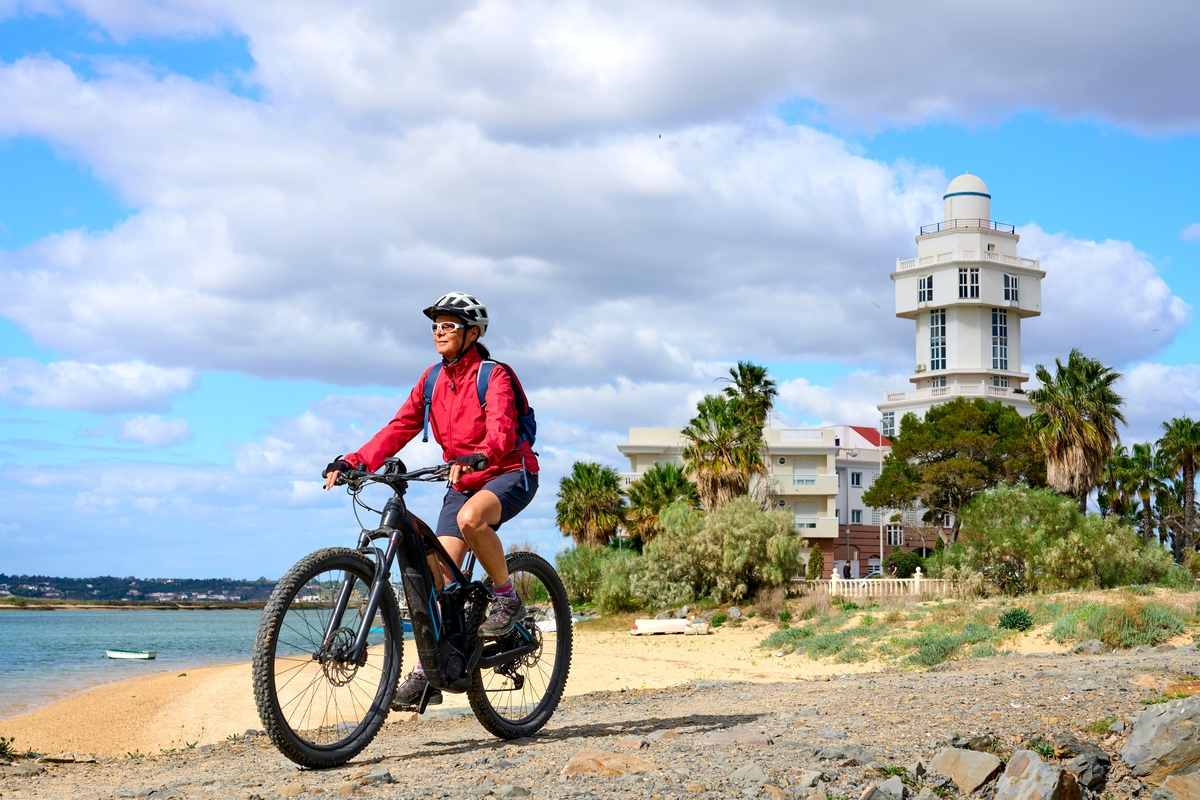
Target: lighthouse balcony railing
[982,389]
[947,257]
[955,224]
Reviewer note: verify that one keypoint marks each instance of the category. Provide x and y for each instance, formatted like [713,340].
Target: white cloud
[155,430]
[851,400]
[538,69]
[74,385]
[1191,233]
[1155,393]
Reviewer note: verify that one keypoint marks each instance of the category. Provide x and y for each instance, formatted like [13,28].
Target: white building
[816,474]
[967,290]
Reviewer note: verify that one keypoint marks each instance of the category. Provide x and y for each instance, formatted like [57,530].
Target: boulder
[1087,762]
[969,769]
[1027,777]
[733,612]
[750,775]
[1092,647]
[1165,740]
[1184,786]
[891,789]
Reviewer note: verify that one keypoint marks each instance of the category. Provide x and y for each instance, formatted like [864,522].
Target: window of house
[888,426]
[873,567]
[856,479]
[925,289]
[999,338]
[895,535]
[856,516]
[937,339]
[991,248]
[1000,381]
[1011,288]
[939,382]
[968,283]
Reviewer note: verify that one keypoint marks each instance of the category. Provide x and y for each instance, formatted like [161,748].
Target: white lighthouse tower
[967,290]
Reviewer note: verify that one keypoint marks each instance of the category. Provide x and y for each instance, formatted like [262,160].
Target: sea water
[47,654]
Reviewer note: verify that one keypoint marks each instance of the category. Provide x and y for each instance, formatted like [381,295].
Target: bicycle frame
[448,647]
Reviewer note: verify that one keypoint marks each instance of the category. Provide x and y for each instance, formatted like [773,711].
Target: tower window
[1000,338]
[937,339]
[856,479]
[1000,381]
[968,283]
[1011,288]
[888,427]
[925,289]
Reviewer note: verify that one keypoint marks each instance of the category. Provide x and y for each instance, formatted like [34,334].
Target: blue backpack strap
[430,382]
[483,380]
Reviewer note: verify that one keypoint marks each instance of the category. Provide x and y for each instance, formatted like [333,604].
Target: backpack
[526,421]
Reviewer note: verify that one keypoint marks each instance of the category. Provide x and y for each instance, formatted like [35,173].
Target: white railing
[916,586]
[903,264]
[627,479]
[981,388]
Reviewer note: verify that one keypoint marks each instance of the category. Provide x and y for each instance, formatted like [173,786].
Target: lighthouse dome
[967,197]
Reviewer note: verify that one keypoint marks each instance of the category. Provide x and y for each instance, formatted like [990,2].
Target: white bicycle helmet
[463,306]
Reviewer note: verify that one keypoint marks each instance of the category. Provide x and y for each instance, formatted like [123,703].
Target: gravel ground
[831,737]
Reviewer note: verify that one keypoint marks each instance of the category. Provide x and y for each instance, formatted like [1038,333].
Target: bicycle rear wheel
[515,700]
[319,707]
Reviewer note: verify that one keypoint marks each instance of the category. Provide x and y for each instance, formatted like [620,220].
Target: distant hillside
[110,589]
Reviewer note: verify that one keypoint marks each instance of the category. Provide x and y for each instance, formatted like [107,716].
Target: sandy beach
[203,705]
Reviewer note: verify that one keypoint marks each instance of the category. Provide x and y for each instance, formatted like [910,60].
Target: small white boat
[140,655]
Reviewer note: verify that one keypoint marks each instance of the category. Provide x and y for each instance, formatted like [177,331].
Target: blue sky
[194,201]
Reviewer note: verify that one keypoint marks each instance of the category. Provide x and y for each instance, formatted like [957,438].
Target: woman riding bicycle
[477,502]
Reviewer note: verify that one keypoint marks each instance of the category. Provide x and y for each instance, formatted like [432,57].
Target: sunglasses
[447,327]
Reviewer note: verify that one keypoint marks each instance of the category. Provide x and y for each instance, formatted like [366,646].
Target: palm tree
[590,505]
[1140,476]
[1110,495]
[1180,443]
[757,392]
[656,489]
[1076,412]
[723,452]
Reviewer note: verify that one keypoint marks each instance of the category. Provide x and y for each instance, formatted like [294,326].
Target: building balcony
[950,257]
[967,224]
[789,483]
[973,389]
[816,526]
[803,439]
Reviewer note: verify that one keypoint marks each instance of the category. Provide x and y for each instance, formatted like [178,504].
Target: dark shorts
[515,490]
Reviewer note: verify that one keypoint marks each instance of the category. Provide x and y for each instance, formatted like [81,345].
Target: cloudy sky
[220,220]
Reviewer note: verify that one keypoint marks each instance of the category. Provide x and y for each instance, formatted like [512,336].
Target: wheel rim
[517,692]
[325,699]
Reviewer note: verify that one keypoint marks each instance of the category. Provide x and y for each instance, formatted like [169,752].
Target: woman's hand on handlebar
[464,464]
[334,471]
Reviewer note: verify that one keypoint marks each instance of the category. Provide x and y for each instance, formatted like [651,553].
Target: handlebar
[393,472]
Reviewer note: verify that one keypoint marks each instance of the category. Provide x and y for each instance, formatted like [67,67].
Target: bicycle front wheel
[516,699]
[319,705]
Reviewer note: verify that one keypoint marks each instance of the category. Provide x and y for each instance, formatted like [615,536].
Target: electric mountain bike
[328,652]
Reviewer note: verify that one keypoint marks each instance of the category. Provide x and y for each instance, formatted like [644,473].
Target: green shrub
[1016,619]
[1139,589]
[902,563]
[1040,746]
[581,568]
[6,747]
[815,567]
[1029,540]
[616,590]
[934,647]
[729,553]
[1128,625]
[983,650]
[785,617]
[718,619]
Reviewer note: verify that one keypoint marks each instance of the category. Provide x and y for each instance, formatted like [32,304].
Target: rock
[916,769]
[251,732]
[134,793]
[695,788]
[1117,727]
[604,764]
[24,769]
[740,735]
[1092,647]
[68,758]
[510,790]
[733,612]
[816,794]
[809,779]
[969,769]
[845,755]
[891,789]
[773,792]
[293,789]
[347,789]
[1027,777]
[665,615]
[1184,786]
[377,776]
[750,774]
[831,733]
[927,794]
[1165,740]
[1087,762]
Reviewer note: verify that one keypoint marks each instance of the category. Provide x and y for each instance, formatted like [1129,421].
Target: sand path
[205,705]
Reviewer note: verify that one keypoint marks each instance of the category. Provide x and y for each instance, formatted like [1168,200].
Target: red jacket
[458,423]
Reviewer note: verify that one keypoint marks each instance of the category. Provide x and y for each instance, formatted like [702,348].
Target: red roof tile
[871,435]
